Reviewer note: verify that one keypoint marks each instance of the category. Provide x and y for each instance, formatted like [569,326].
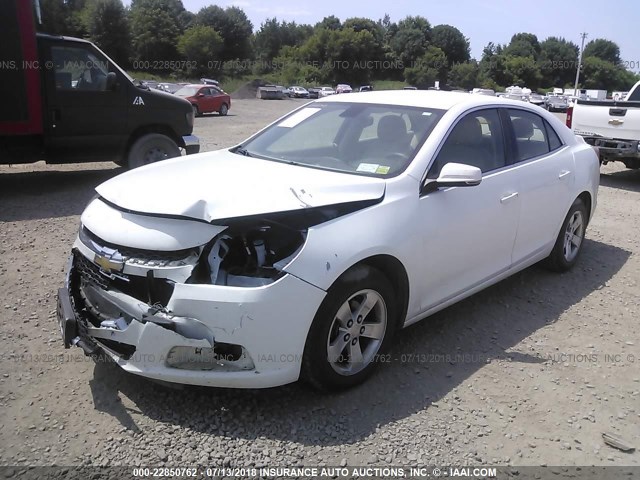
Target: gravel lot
[531,371]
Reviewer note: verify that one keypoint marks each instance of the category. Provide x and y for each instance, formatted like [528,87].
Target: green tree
[523,45]
[410,41]
[234,27]
[452,42]
[558,61]
[604,50]
[522,71]
[429,68]
[464,75]
[274,35]
[330,23]
[603,75]
[201,45]
[108,27]
[62,17]
[155,29]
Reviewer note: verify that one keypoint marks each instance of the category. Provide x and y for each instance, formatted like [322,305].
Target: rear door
[546,175]
[82,118]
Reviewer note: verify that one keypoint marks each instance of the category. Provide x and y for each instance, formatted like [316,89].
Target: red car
[206,99]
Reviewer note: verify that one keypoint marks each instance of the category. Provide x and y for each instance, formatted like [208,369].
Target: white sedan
[300,252]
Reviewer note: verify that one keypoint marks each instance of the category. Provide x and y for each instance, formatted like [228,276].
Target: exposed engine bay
[248,257]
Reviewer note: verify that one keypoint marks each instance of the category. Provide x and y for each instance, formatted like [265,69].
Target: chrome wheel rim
[573,236]
[357,332]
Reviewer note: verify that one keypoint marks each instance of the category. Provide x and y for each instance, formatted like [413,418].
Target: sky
[480,21]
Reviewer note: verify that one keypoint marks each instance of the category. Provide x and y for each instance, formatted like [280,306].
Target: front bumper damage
[200,334]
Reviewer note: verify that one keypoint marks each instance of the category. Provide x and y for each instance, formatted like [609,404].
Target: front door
[468,233]
[85,121]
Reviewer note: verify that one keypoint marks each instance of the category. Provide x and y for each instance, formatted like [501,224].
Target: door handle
[55,117]
[563,174]
[506,198]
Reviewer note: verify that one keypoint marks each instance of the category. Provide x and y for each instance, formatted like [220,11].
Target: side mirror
[111,81]
[454,175]
[200,95]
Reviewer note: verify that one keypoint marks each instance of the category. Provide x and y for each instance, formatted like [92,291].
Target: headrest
[392,128]
[522,128]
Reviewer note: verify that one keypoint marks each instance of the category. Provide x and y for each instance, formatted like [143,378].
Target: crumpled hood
[220,185]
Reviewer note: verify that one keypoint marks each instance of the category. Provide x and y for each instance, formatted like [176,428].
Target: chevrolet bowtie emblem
[615,121]
[109,261]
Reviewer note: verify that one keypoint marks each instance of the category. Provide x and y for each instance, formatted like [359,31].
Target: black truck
[64,101]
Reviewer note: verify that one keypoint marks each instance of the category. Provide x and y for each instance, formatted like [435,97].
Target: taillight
[569,116]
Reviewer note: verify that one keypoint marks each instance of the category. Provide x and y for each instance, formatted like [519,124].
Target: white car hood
[222,185]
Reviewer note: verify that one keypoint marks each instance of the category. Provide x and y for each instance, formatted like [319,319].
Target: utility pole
[575,87]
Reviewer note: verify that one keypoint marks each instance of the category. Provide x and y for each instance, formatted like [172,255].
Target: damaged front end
[222,312]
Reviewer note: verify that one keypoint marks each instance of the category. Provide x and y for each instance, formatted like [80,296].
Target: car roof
[198,85]
[423,98]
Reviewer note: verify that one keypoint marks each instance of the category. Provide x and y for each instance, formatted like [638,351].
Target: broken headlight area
[254,250]
[248,256]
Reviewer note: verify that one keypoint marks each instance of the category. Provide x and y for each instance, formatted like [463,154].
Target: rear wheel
[568,245]
[351,330]
[151,148]
[224,109]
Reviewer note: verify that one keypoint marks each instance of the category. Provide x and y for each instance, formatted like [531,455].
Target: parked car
[248,266]
[343,88]
[169,87]
[613,127]
[314,92]
[209,81]
[366,88]
[483,91]
[83,107]
[206,99]
[298,92]
[326,91]
[537,99]
[557,103]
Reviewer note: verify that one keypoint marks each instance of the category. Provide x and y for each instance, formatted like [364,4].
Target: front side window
[530,132]
[475,140]
[376,140]
[77,69]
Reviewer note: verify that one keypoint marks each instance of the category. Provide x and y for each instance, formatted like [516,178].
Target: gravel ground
[531,371]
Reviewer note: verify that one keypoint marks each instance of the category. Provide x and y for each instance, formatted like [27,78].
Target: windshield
[367,139]
[187,91]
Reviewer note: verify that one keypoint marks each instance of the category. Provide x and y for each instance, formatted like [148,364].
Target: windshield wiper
[242,151]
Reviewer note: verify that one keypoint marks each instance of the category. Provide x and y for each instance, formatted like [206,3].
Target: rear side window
[635,95]
[531,134]
[554,140]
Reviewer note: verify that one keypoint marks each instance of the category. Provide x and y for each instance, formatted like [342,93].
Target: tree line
[162,37]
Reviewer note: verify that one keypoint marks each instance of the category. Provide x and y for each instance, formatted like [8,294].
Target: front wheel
[224,109]
[568,245]
[151,148]
[351,330]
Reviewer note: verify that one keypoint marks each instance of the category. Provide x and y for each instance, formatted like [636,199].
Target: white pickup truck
[611,126]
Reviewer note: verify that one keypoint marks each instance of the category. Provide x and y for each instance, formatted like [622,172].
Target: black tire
[317,369]
[196,111]
[560,260]
[224,109]
[151,148]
